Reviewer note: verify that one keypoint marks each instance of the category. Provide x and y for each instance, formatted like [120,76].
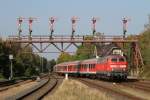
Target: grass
[1,76]
[74,90]
[146,73]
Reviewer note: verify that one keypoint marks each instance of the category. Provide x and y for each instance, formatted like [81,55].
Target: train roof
[114,55]
[68,63]
[89,61]
[94,60]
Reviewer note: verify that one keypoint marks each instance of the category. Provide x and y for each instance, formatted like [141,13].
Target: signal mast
[51,24]
[147,26]
[94,20]
[125,21]
[73,20]
[30,20]
[19,23]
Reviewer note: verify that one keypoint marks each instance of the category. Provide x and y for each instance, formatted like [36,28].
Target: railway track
[110,89]
[145,82]
[8,86]
[144,86]
[42,91]
[37,89]
[7,83]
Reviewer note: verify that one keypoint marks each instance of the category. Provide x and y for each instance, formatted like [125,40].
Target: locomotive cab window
[114,59]
[121,59]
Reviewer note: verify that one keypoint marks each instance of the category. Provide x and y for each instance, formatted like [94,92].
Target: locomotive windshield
[114,59]
[120,59]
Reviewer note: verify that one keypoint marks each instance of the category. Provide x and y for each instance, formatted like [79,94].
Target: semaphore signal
[30,21]
[74,19]
[19,24]
[51,25]
[94,20]
[125,21]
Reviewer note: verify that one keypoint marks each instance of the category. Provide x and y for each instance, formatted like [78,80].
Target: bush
[1,76]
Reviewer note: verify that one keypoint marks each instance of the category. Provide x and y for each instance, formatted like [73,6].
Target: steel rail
[40,92]
[119,94]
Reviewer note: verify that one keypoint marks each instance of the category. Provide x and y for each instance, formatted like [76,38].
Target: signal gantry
[40,43]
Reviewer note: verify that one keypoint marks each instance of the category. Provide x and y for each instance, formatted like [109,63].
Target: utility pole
[149,19]
[95,51]
[41,63]
[11,66]
[147,26]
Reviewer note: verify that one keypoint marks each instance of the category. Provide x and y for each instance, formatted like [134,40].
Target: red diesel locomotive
[111,67]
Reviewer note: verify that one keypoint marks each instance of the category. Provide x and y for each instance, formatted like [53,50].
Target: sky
[109,12]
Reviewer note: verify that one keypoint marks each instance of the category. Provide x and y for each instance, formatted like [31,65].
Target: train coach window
[83,66]
[114,59]
[65,67]
[86,66]
[93,66]
[90,66]
[121,59]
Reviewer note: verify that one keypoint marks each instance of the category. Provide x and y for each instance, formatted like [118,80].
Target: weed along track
[112,89]
[74,90]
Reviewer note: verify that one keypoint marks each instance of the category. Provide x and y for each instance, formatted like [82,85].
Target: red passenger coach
[88,66]
[112,67]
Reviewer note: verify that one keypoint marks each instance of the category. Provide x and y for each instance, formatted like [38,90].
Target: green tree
[84,51]
[64,57]
[51,64]
[23,63]
[144,41]
[4,60]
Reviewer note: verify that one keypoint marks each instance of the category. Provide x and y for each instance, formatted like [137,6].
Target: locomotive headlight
[112,66]
[124,69]
[123,66]
[112,69]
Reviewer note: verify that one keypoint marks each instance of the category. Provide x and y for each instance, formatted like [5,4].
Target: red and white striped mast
[51,25]
[30,22]
[73,21]
[19,23]
[125,21]
[94,20]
